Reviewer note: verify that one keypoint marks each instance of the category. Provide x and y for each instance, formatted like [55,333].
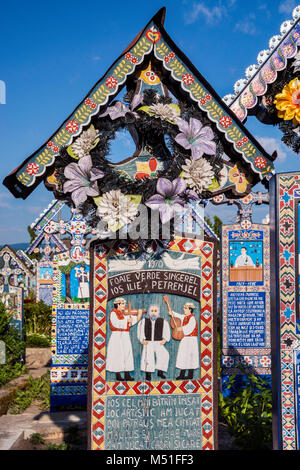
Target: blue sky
[53,53]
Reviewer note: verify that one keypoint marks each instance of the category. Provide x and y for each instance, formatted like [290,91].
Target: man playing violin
[119,357]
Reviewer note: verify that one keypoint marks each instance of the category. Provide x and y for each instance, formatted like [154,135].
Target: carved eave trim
[270,61]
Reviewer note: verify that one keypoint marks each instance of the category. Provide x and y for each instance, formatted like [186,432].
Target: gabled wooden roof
[152,39]
[17,259]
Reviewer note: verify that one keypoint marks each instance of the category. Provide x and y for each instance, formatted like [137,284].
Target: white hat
[189,304]
[119,300]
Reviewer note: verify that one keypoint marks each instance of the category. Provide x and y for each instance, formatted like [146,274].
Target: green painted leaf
[214,185]
[71,153]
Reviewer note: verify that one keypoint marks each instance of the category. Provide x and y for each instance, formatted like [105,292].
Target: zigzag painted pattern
[287,185]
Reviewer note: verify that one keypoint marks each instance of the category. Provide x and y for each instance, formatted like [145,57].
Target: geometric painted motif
[118,404]
[246,338]
[285,197]
[70,329]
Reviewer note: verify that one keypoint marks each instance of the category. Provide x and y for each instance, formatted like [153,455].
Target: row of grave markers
[151,380]
[63,278]
[62,281]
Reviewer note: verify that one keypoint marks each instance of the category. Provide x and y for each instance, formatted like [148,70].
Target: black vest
[158,329]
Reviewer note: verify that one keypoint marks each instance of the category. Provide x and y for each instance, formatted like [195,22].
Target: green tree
[32,235]
[66,270]
[215,225]
[15,349]
[37,317]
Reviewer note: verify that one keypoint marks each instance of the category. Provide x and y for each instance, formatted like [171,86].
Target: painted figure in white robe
[119,356]
[153,332]
[243,259]
[83,283]
[188,350]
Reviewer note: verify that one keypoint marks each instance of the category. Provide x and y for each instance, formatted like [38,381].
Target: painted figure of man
[83,283]
[188,350]
[153,332]
[119,357]
[243,259]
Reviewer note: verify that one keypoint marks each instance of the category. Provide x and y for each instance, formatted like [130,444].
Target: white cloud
[96,58]
[270,144]
[210,15]
[247,25]
[4,200]
[287,6]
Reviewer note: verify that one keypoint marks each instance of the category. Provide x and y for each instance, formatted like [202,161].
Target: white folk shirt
[188,350]
[119,355]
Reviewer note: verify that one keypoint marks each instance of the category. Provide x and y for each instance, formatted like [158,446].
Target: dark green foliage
[249,414]
[215,225]
[14,349]
[38,389]
[37,318]
[51,446]
[37,438]
[37,341]
[72,440]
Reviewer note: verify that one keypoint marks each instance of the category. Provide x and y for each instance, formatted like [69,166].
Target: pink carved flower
[188,79]
[208,97]
[88,101]
[49,144]
[82,180]
[32,168]
[72,126]
[225,121]
[111,82]
[171,55]
[55,148]
[166,58]
[195,137]
[128,56]
[169,198]
[134,60]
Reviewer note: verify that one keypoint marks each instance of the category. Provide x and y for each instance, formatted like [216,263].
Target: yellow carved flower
[288,101]
[238,177]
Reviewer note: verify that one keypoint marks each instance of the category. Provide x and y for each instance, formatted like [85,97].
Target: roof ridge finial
[159,17]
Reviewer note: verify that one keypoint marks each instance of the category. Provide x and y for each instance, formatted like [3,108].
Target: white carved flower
[82,146]
[116,208]
[164,111]
[198,174]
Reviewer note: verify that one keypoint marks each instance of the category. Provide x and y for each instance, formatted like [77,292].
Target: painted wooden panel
[148,390]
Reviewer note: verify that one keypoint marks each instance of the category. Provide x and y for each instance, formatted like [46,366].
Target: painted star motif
[287,255]
[288,342]
[287,284]
[286,198]
[288,312]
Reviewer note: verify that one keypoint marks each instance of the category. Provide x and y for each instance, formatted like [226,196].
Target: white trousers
[188,353]
[154,357]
